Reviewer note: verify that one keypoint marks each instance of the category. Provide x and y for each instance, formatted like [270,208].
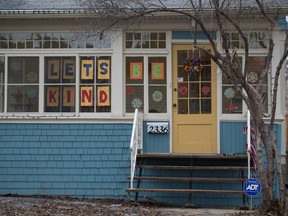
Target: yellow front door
[194,103]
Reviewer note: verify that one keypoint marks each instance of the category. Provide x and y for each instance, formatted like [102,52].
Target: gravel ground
[59,206]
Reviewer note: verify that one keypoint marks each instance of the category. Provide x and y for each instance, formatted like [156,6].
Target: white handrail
[248,142]
[136,142]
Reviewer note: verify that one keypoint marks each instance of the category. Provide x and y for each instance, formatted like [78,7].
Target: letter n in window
[87,96]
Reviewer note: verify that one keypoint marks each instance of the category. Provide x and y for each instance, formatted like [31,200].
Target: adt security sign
[252,187]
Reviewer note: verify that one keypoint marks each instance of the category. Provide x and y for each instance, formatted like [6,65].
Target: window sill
[64,118]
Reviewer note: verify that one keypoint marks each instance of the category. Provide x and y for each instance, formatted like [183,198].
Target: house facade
[68,94]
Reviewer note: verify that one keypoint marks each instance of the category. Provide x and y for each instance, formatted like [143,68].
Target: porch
[193,179]
[190,179]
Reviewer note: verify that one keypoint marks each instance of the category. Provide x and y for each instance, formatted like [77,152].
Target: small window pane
[162,44]
[231,101]
[157,70]
[129,36]
[157,99]
[162,36]
[103,69]
[87,98]
[134,98]
[182,106]
[253,40]
[23,70]
[153,36]
[137,36]
[38,40]
[103,103]
[22,98]
[206,106]
[3,44]
[145,44]
[153,44]
[194,106]
[194,90]
[263,40]
[129,44]
[134,70]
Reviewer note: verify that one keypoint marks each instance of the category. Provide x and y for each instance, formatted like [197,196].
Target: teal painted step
[179,184]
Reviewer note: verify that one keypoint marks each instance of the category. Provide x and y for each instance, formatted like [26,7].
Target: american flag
[253,148]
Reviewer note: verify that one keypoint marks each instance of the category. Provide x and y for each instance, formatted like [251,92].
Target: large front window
[232,102]
[56,85]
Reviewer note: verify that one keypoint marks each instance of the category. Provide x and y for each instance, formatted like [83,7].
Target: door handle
[174,105]
[175,89]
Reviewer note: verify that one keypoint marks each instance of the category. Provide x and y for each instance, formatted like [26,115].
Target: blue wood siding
[232,139]
[92,160]
[155,143]
[81,160]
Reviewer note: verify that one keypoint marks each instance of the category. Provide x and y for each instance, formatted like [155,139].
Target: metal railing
[136,142]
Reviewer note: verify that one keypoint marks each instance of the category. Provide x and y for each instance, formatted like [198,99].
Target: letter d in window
[103,96]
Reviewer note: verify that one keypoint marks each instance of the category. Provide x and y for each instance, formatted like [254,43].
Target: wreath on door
[193,65]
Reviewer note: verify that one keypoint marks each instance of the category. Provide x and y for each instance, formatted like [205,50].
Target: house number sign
[157,127]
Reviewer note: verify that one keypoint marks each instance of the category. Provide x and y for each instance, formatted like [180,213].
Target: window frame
[159,52]
[146,84]
[134,40]
[49,39]
[41,98]
[228,116]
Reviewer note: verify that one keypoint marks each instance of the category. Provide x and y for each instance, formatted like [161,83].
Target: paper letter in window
[136,70]
[87,69]
[103,96]
[68,96]
[69,69]
[104,69]
[157,71]
[53,69]
[86,96]
[53,96]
